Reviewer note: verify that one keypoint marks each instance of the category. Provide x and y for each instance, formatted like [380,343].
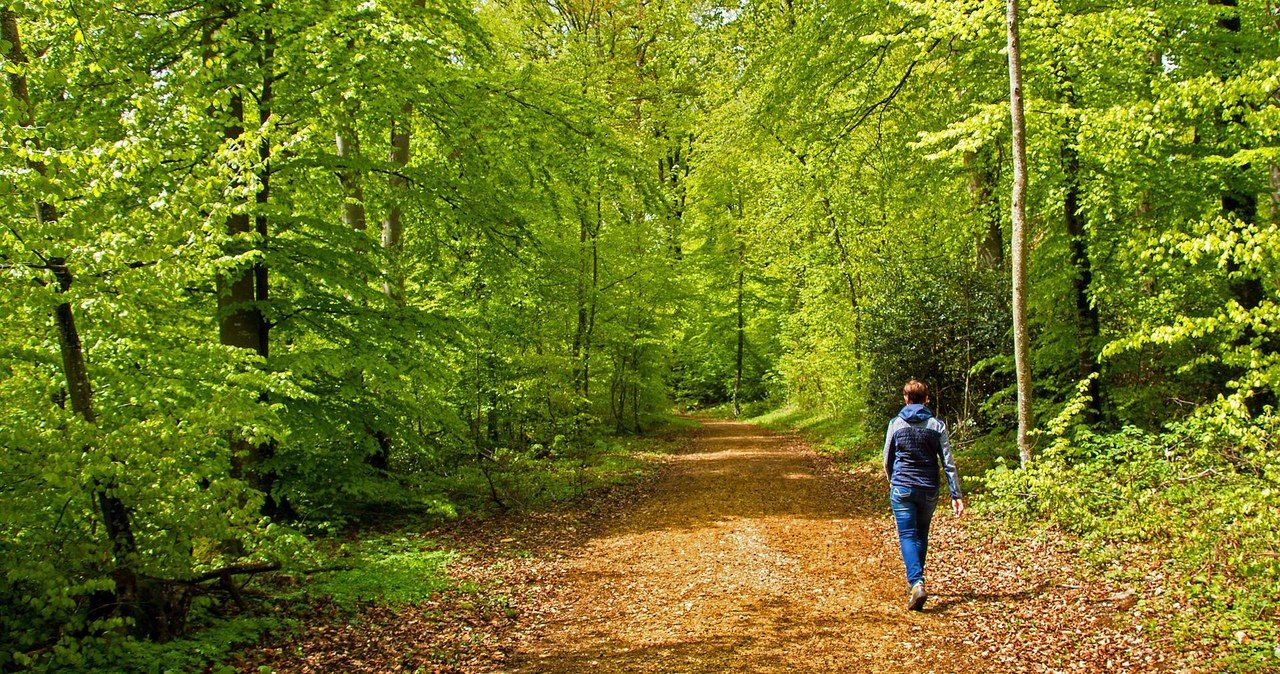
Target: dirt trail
[749,555]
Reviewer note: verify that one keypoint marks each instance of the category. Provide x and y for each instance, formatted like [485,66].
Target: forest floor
[746,552]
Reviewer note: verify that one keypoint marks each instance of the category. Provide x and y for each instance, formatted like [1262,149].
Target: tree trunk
[989,244]
[347,140]
[594,300]
[849,282]
[243,292]
[635,389]
[1087,324]
[116,517]
[1021,335]
[580,329]
[392,226]
[587,296]
[1239,202]
[737,380]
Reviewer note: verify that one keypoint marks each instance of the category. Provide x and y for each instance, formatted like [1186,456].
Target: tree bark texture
[392,224]
[347,140]
[116,517]
[1021,335]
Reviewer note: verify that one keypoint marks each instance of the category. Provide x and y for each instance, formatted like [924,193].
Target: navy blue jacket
[913,446]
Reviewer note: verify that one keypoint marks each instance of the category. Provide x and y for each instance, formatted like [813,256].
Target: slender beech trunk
[673,169]
[265,102]
[989,243]
[737,379]
[587,296]
[392,225]
[243,292]
[116,517]
[850,283]
[240,321]
[1087,324]
[1021,335]
[594,299]
[580,330]
[635,388]
[618,391]
[393,240]
[347,141]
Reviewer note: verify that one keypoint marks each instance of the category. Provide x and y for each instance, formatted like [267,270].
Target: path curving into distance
[750,555]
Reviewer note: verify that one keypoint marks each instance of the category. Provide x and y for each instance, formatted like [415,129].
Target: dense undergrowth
[344,566]
[1189,517]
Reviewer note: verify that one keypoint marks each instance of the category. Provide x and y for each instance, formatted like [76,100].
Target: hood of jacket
[915,413]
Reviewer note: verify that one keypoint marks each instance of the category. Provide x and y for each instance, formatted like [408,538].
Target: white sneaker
[916,603]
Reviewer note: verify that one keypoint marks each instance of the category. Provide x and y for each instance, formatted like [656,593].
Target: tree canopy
[272,265]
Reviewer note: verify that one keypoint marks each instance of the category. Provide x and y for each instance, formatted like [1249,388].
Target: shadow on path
[750,554]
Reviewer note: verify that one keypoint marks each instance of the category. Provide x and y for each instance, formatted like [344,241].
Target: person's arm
[949,467]
[888,453]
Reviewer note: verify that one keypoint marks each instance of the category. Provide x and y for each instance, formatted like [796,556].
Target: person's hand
[957,506]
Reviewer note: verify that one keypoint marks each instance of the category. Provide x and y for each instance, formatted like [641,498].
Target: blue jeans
[913,510]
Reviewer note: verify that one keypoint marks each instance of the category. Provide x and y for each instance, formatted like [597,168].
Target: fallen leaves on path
[747,552]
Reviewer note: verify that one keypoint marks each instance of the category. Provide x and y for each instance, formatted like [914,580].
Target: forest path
[750,554]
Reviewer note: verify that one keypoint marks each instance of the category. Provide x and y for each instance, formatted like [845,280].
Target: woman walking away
[914,445]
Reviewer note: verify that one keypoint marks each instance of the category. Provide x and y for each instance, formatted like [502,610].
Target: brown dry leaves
[747,552]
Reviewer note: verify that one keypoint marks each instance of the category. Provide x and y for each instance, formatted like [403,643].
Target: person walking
[914,446]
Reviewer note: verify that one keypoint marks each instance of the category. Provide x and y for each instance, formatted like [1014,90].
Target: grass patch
[392,570]
[842,437]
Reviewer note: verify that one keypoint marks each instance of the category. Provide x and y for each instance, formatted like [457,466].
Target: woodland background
[278,268]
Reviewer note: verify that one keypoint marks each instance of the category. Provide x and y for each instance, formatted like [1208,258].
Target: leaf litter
[746,551]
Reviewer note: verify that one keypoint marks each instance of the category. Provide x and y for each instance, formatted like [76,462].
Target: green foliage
[1205,495]
[288,322]
[390,569]
[846,439]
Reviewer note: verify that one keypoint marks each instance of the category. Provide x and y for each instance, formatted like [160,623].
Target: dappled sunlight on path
[750,555]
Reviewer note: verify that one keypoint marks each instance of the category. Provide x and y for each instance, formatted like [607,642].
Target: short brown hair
[915,391]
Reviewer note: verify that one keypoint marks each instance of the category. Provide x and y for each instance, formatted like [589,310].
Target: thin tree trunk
[263,198]
[243,292]
[347,141]
[1021,335]
[849,282]
[1239,201]
[392,225]
[737,380]
[1087,324]
[240,321]
[587,297]
[989,243]
[595,300]
[580,329]
[115,515]
[635,389]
